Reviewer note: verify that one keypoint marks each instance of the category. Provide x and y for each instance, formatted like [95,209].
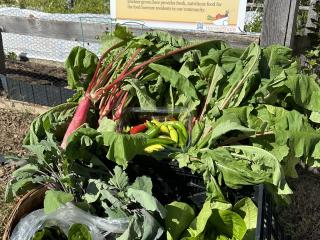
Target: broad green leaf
[79,231]
[142,226]
[16,187]
[80,61]
[177,80]
[147,201]
[198,225]
[146,102]
[249,212]
[228,223]
[197,131]
[142,183]
[218,75]
[58,118]
[151,227]
[315,117]
[179,216]
[119,179]
[25,171]
[235,172]
[134,230]
[214,191]
[249,80]
[274,59]
[107,125]
[123,147]
[49,233]
[305,91]
[227,123]
[266,164]
[55,199]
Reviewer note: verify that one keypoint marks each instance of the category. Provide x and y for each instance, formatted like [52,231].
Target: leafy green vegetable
[55,199]
[147,201]
[54,121]
[179,216]
[49,233]
[80,61]
[249,212]
[176,80]
[79,231]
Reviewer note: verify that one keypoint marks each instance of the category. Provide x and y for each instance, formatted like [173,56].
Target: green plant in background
[60,6]
[312,57]
[255,25]
[11,56]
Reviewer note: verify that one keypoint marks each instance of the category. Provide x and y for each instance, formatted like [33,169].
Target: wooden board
[92,31]
[52,29]
[279,22]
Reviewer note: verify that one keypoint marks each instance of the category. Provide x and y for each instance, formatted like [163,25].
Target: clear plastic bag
[64,217]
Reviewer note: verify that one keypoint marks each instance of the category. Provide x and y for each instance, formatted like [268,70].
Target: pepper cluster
[161,134]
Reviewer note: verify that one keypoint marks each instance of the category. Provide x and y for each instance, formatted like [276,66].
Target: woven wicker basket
[33,200]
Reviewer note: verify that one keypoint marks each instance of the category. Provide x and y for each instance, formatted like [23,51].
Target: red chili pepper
[139,128]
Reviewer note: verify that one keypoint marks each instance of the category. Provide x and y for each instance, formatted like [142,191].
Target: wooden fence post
[2,61]
[279,22]
[2,57]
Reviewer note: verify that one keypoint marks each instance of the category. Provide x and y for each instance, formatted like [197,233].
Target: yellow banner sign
[213,15]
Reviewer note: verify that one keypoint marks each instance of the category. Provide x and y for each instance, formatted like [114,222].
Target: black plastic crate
[268,226]
[171,183]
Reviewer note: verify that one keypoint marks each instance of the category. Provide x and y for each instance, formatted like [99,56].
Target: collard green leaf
[79,231]
[179,216]
[143,183]
[16,187]
[142,226]
[249,212]
[147,201]
[80,61]
[134,230]
[25,171]
[119,179]
[107,125]
[123,147]
[266,164]
[54,121]
[55,199]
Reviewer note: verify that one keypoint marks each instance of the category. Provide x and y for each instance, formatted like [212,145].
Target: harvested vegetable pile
[253,117]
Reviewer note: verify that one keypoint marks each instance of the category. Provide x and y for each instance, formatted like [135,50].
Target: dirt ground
[35,72]
[301,219]
[13,126]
